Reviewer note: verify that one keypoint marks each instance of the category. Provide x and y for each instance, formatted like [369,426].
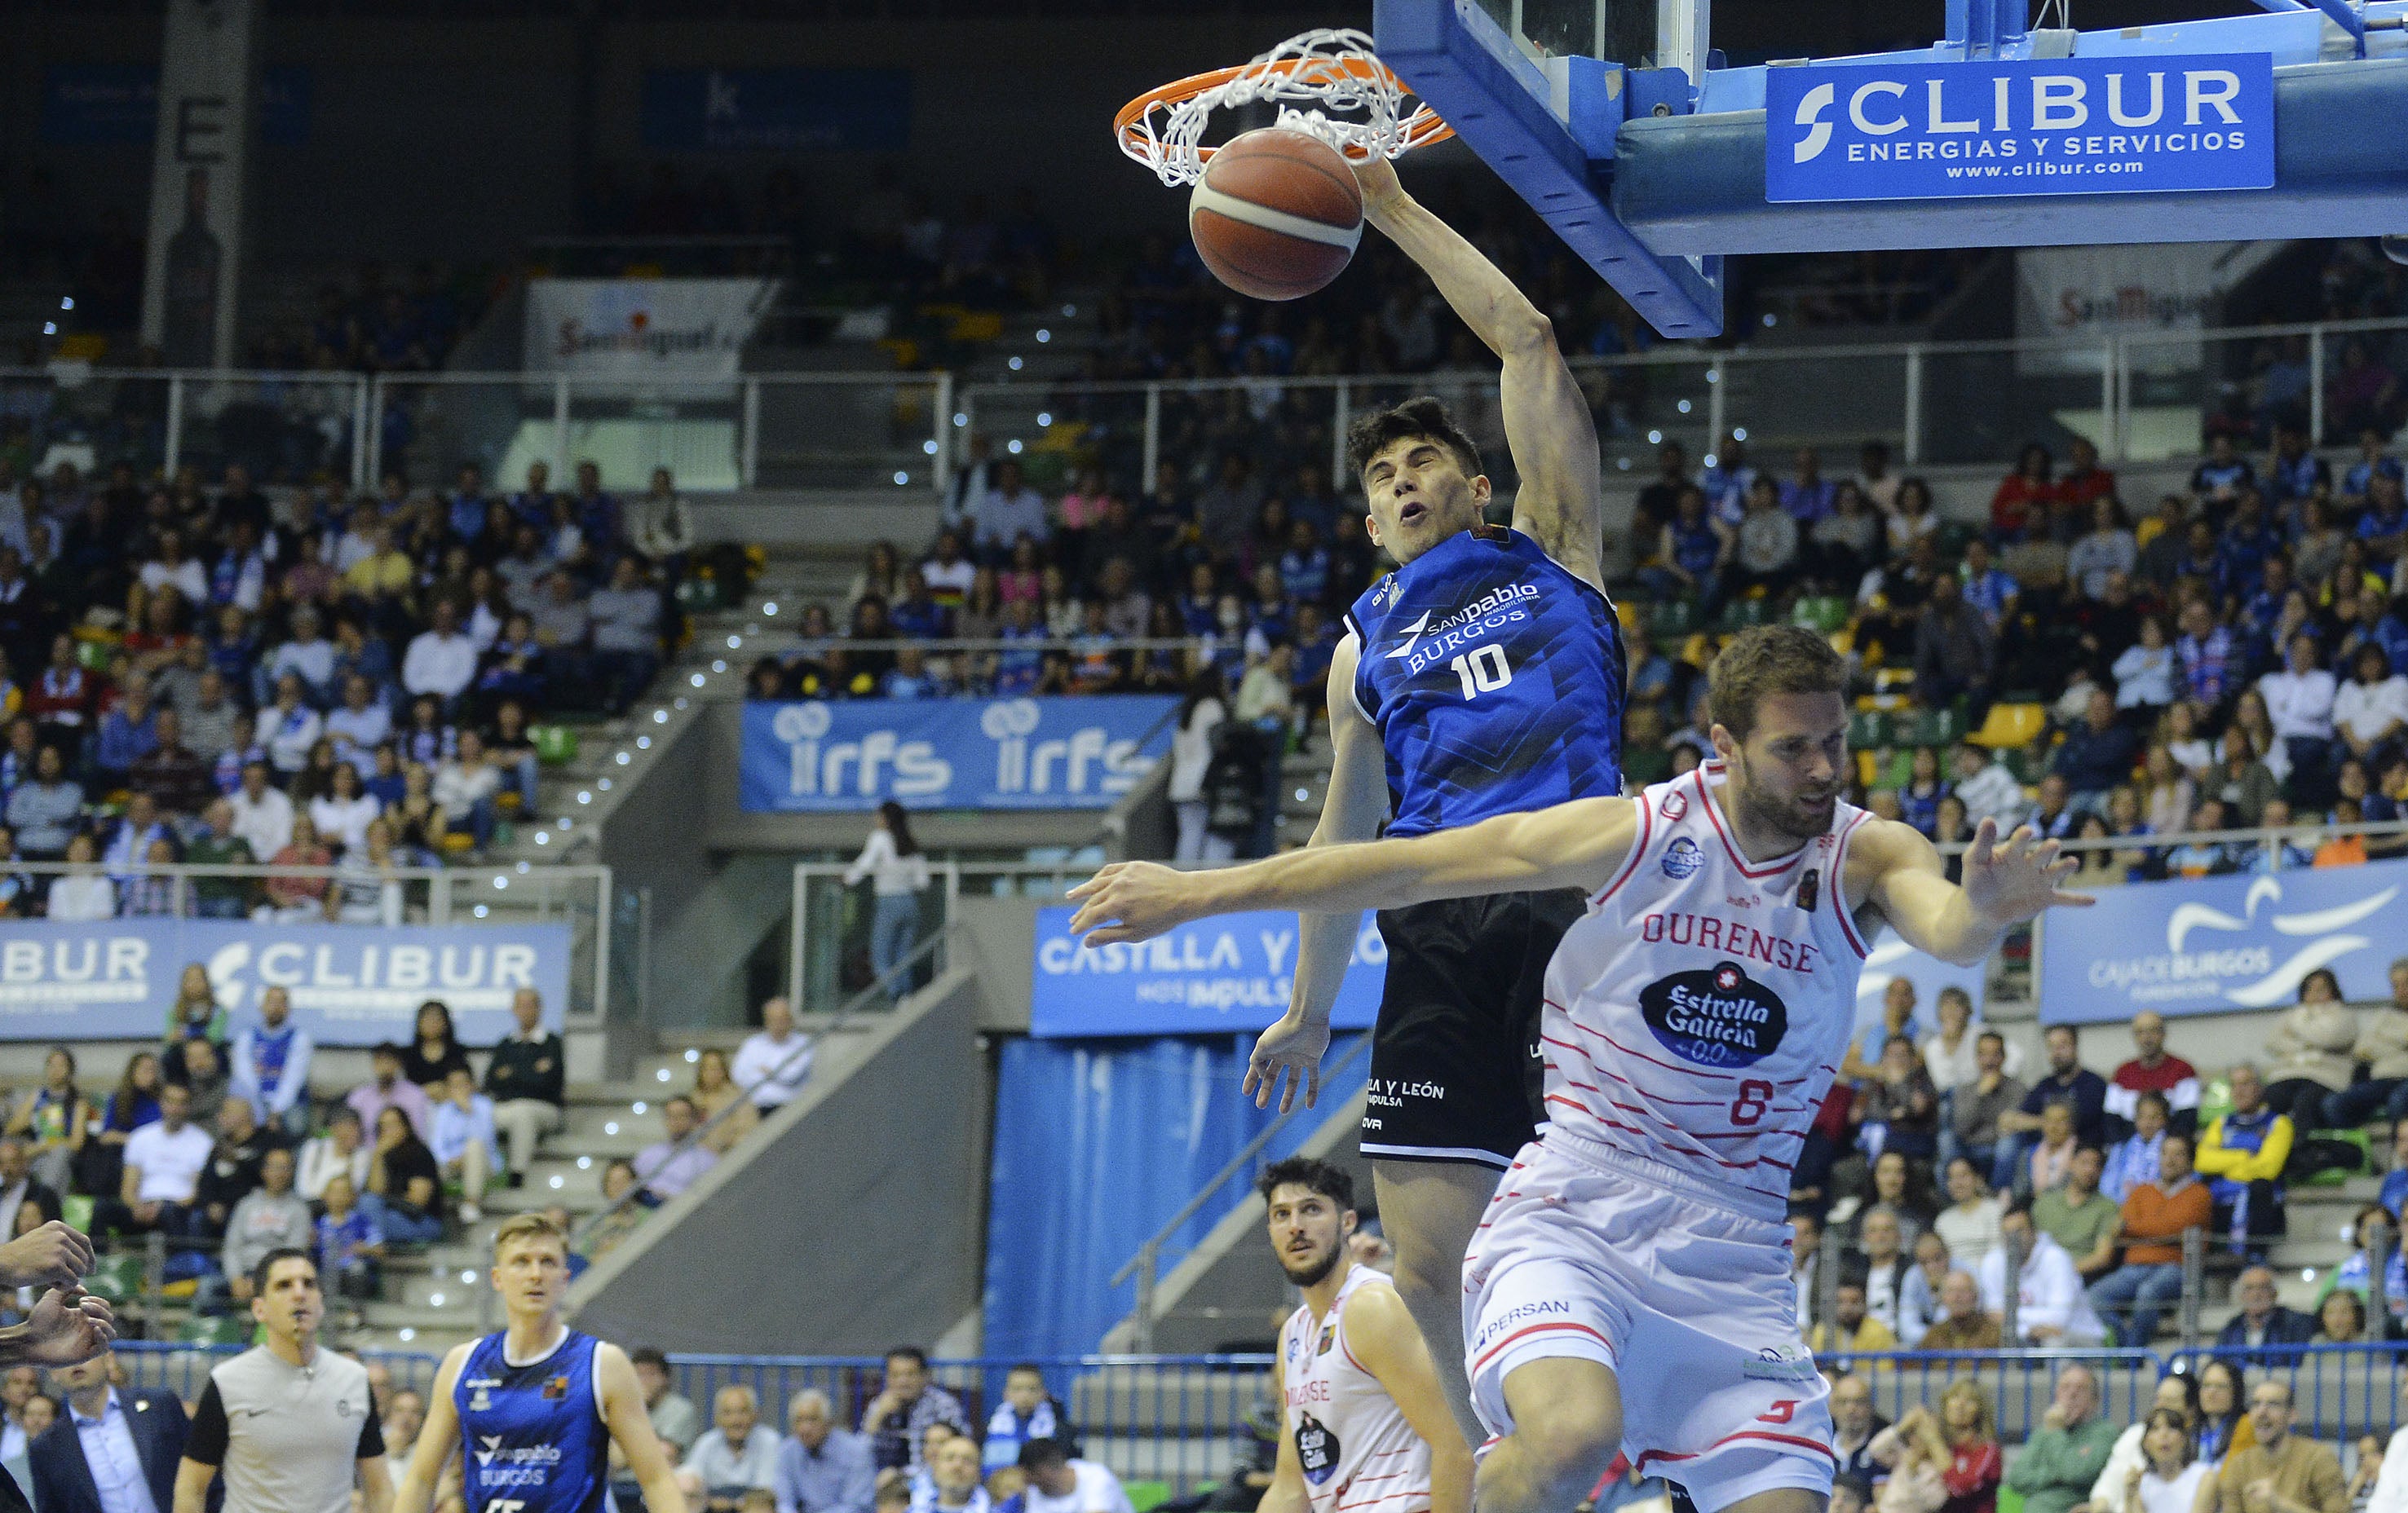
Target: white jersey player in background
[1694,1017]
[1365,1425]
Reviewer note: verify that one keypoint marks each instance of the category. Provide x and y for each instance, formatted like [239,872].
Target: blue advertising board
[777,109]
[1227,973]
[1048,753]
[2222,945]
[351,985]
[2118,126]
[116,105]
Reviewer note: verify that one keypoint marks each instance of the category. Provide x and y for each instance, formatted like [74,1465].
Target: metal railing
[1146,1265]
[846,1013]
[830,430]
[1184,1419]
[579,896]
[2136,397]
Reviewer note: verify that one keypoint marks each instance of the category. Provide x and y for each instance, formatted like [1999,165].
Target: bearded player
[536,1404]
[1483,677]
[1694,1016]
[1366,1425]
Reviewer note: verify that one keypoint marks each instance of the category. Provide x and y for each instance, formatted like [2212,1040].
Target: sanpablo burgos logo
[2180,974]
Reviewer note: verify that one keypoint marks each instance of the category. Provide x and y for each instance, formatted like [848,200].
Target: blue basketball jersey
[1494,678]
[535,1434]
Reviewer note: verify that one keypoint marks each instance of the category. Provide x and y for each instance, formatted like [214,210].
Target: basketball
[1277,214]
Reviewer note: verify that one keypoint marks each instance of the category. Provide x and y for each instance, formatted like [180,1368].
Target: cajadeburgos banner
[2222,945]
[639,329]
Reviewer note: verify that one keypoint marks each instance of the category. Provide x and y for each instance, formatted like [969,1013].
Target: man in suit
[20,1185]
[114,1451]
[2263,1321]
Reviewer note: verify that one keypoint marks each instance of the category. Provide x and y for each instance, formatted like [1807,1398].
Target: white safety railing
[2138,398]
[770,429]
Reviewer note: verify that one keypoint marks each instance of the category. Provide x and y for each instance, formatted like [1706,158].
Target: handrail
[844,1013]
[2302,833]
[553,871]
[1149,1254]
[838,641]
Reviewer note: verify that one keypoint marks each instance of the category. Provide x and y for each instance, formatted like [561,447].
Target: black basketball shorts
[1455,1073]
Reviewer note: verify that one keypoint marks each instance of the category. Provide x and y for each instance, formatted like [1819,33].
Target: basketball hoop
[1331,68]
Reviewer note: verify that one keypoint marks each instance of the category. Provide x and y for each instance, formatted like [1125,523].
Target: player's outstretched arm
[2006,882]
[1290,1050]
[1575,845]
[437,1437]
[1384,1338]
[631,1429]
[1285,1494]
[1547,421]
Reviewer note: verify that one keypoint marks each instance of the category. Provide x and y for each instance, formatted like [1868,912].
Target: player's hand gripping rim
[2011,881]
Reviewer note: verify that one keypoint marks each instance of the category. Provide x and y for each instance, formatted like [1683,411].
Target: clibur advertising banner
[351,985]
[1048,753]
[2117,126]
[1225,974]
[2222,945]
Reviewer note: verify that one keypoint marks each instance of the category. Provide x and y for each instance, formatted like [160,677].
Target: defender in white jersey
[1695,1017]
[1365,1426]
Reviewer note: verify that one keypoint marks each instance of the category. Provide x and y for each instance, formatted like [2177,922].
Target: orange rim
[1420,129]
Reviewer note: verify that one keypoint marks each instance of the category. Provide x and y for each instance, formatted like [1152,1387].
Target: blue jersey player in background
[1483,677]
[536,1406]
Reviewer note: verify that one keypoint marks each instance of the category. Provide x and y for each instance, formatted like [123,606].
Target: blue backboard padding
[1696,184]
[1437,49]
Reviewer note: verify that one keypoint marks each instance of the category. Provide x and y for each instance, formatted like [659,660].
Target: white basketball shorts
[1590,1252]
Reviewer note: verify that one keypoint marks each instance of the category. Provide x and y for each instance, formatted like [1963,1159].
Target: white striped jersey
[1695,1015]
[1359,1453]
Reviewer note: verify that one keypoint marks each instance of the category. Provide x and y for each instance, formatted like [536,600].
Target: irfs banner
[2221,945]
[642,328]
[351,985]
[2121,125]
[1049,753]
[1227,973]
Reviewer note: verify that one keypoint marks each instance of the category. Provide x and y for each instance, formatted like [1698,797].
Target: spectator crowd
[210,675]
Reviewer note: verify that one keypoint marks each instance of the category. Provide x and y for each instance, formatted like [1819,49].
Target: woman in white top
[898,873]
[2193,752]
[1190,756]
[86,893]
[1948,1055]
[2178,1395]
[1970,1223]
[2144,672]
[344,814]
[2169,1481]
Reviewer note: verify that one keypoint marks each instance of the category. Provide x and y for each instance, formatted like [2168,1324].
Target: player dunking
[1483,677]
[1368,1428]
[1694,1016]
[537,1405]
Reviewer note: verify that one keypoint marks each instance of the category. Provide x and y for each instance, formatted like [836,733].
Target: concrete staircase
[435,1298]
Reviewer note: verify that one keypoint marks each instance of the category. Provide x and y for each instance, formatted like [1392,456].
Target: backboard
[1614,119]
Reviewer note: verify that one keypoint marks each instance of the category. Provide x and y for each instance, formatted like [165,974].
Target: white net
[1307,76]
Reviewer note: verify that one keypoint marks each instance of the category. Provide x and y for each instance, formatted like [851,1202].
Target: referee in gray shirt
[291,1424]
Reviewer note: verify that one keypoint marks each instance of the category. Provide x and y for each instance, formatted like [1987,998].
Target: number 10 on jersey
[1483,671]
